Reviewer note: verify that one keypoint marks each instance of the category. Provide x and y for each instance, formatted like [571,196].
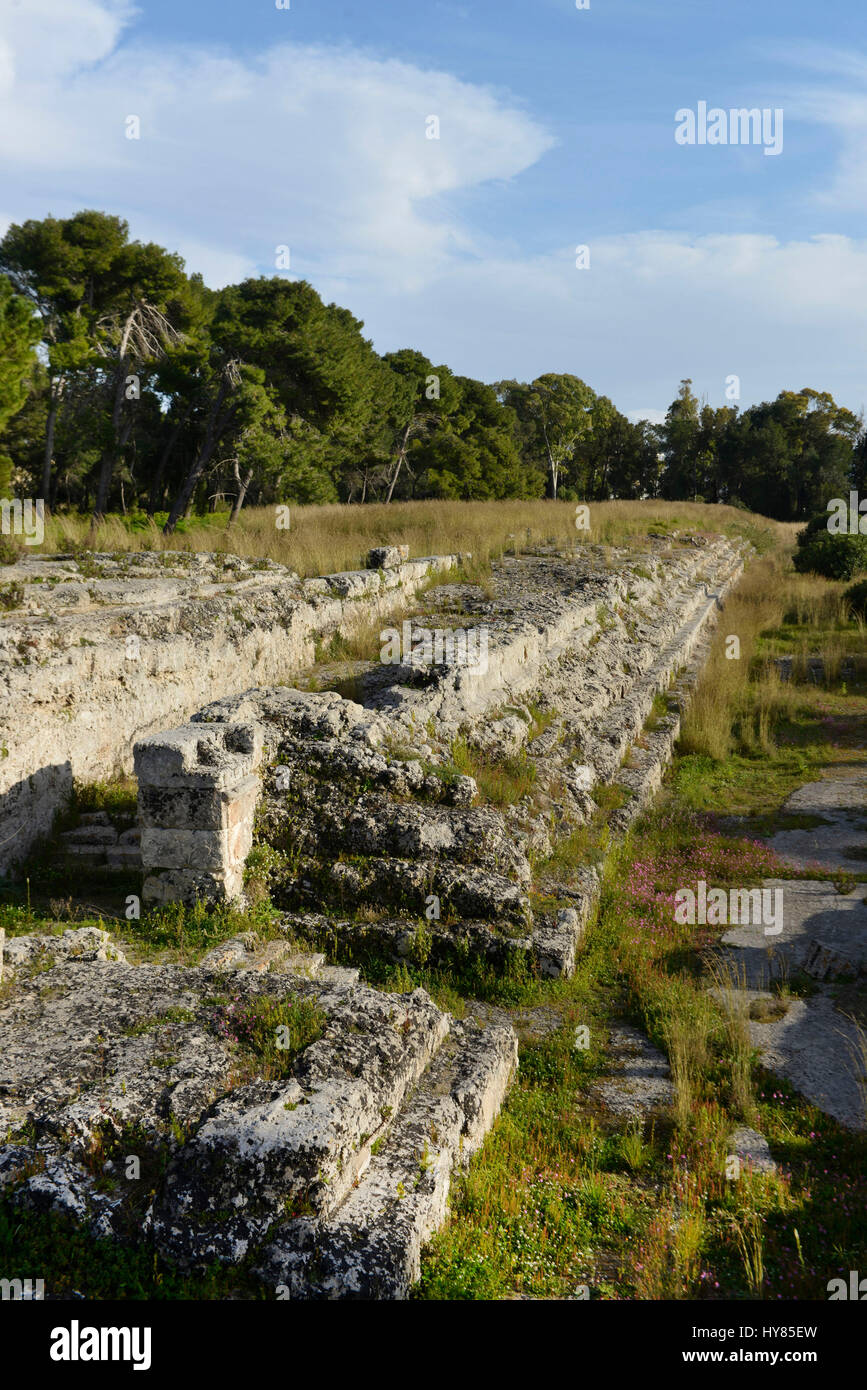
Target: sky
[308,127]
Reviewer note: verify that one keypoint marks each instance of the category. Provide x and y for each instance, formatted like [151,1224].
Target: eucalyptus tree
[555,419]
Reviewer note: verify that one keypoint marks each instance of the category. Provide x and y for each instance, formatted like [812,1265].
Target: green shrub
[834,556]
[856,597]
[11,595]
[816,524]
[11,550]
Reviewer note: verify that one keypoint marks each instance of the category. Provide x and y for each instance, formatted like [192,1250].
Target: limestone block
[183,849]
[91,836]
[189,886]
[198,791]
[123,857]
[354,583]
[199,755]
[178,808]
[384,557]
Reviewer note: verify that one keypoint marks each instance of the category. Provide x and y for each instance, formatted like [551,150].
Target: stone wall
[100,654]
[366,822]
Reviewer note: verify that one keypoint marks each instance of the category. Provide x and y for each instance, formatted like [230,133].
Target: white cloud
[324,150]
[655,417]
[840,104]
[44,41]
[653,308]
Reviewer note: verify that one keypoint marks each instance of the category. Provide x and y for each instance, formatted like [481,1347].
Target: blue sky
[305,127]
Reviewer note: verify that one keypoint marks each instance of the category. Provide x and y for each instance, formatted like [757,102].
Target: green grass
[502,781]
[563,1194]
[183,934]
[11,596]
[58,1250]
[272,1032]
[659,710]
[175,933]
[149,1025]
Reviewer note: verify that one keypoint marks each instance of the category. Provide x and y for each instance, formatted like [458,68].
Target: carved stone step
[370,1248]
[159,1062]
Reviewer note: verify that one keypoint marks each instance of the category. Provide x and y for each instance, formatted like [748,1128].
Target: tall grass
[741,698]
[858,1063]
[686,1032]
[753,606]
[730,984]
[811,601]
[771,699]
[326,539]
[750,1235]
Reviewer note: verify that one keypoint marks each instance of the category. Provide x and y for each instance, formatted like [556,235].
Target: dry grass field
[323,540]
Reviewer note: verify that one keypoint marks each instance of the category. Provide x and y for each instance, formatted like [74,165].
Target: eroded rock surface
[104,649]
[640,1079]
[154,1102]
[375,834]
[326,1169]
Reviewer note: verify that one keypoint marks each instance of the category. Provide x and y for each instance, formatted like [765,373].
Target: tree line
[127,385]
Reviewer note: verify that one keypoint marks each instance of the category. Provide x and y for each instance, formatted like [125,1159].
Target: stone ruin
[361,806]
[327,1172]
[97,652]
[101,1057]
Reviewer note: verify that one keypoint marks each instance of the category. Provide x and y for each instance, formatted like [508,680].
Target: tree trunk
[48,458]
[552,462]
[185,497]
[157,480]
[555,476]
[243,484]
[110,453]
[401,455]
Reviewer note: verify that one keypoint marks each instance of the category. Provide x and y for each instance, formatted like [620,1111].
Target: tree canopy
[126,384]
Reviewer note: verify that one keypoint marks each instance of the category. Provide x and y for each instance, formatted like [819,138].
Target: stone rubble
[360,819]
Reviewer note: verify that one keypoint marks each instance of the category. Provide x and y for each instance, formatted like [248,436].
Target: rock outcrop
[263,1107]
[163,1103]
